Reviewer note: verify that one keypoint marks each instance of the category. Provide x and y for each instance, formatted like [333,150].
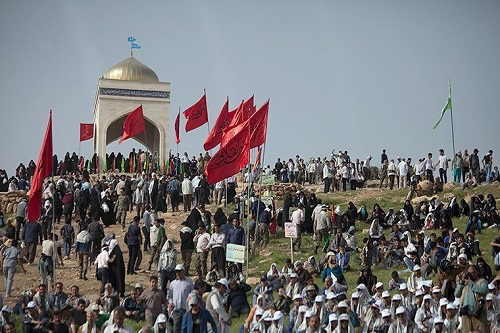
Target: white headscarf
[112,244]
[161,319]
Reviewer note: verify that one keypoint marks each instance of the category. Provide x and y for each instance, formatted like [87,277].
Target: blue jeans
[488,172]
[104,275]
[67,248]
[8,274]
[409,263]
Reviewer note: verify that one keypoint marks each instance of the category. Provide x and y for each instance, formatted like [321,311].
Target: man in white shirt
[187,193]
[442,163]
[429,168]
[102,261]
[297,218]
[202,238]
[403,172]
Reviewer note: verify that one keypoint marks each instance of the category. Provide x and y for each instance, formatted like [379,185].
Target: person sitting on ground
[109,299]
[133,308]
[90,325]
[33,321]
[237,299]
[78,316]
[214,275]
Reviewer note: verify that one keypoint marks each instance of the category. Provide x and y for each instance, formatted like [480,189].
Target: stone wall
[9,200]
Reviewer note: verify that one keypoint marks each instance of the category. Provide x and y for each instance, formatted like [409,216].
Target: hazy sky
[354,75]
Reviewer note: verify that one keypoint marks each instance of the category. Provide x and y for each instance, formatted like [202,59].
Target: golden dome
[131,69]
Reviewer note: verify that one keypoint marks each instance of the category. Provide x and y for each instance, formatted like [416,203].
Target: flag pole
[451,116]
[246,225]
[54,253]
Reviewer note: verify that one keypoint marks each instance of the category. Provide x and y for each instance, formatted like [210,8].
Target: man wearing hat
[32,318]
[403,324]
[196,315]
[5,317]
[452,321]
[178,294]
[373,318]
[216,306]
[321,225]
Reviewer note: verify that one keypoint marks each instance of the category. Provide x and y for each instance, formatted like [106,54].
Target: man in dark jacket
[32,232]
[133,238]
[187,245]
[96,235]
[238,299]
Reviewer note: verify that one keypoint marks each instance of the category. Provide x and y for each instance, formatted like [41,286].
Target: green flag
[447,106]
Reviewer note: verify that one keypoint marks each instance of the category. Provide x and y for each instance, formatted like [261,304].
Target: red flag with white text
[43,170]
[86,131]
[221,123]
[197,114]
[134,124]
[232,156]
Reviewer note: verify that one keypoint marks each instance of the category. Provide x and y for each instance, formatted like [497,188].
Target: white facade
[121,90]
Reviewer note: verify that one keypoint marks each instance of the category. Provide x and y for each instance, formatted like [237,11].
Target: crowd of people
[441,294]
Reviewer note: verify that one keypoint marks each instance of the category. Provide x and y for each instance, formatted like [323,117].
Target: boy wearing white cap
[403,324]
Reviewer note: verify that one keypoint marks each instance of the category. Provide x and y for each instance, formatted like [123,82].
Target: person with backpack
[68,236]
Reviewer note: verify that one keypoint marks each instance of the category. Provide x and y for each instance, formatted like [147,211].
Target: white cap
[443,302]
[278,315]
[138,285]
[416,268]
[179,267]
[31,305]
[330,253]
[302,309]
[379,285]
[342,304]
[386,313]
[419,292]
[309,314]
[403,286]
[397,297]
[491,286]
[438,320]
[351,228]
[297,296]
[161,318]
[344,316]
[436,290]
[400,310]
[193,300]
[319,299]
[489,297]
[361,286]
[293,275]
[462,256]
[427,283]
[224,282]
[354,295]
[6,309]
[451,306]
[386,294]
[95,307]
[332,317]
[427,297]
[260,311]
[268,318]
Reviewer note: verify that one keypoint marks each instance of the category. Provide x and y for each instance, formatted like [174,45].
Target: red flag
[86,131]
[257,159]
[258,126]
[43,169]
[232,156]
[221,123]
[134,124]
[197,114]
[243,112]
[177,119]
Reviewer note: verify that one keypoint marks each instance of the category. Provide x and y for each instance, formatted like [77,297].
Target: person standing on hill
[488,162]
[442,163]
[429,168]
[133,239]
[474,164]
[121,208]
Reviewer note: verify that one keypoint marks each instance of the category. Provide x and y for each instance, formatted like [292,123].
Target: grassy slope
[279,247]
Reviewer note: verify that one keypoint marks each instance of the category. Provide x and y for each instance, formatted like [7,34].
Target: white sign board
[235,253]
[290,230]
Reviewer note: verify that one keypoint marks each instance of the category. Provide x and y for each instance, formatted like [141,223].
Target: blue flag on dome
[130,39]
[135,46]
